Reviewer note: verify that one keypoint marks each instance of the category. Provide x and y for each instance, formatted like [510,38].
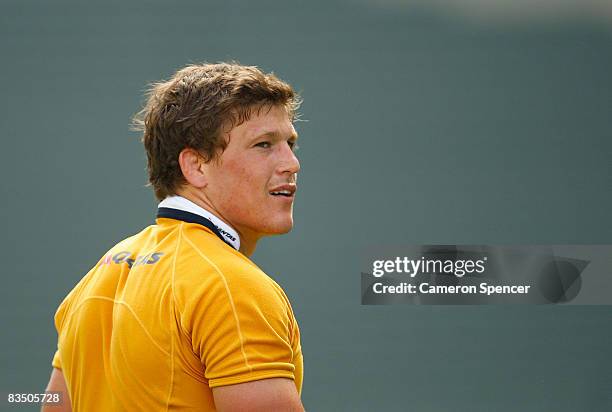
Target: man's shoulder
[206,250]
[204,261]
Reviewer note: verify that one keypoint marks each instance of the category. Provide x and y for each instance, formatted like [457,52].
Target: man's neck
[247,242]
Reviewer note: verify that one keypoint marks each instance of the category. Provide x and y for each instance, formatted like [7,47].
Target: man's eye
[293,145]
[265,145]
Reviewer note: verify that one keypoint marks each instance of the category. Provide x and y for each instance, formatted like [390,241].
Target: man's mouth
[286,190]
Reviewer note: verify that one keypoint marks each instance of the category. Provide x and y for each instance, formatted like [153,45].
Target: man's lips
[285,190]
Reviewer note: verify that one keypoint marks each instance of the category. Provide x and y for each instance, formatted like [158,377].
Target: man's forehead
[275,123]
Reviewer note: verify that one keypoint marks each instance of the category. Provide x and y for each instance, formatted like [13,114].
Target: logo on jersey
[225,233]
[126,257]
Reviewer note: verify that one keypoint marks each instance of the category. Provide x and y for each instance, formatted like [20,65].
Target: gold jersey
[168,314]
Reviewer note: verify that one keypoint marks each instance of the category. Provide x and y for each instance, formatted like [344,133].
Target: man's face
[252,184]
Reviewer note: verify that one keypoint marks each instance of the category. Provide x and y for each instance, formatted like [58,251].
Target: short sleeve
[60,317]
[59,321]
[240,327]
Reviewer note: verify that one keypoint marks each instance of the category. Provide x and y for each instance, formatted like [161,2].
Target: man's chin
[280,228]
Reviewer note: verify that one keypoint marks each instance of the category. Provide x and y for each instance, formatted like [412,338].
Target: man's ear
[192,165]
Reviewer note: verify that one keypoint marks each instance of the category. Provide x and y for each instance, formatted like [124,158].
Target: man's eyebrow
[276,135]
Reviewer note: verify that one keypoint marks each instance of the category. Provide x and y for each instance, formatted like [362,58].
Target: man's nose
[290,163]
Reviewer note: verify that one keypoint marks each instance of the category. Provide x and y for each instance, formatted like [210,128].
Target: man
[177,317]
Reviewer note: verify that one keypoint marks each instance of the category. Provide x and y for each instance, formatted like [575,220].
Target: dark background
[453,122]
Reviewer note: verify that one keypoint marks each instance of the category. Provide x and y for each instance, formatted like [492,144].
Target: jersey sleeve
[60,315]
[241,328]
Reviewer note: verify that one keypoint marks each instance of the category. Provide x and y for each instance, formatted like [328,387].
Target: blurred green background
[427,122]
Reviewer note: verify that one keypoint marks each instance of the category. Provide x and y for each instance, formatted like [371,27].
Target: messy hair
[193,109]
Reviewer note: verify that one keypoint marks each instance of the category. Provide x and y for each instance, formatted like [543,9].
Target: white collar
[180,203]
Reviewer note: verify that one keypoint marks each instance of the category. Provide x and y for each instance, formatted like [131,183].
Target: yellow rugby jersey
[168,314]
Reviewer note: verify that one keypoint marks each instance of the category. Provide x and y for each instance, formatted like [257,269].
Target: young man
[177,317]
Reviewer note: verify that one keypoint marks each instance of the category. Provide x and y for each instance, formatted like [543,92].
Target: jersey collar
[173,204]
